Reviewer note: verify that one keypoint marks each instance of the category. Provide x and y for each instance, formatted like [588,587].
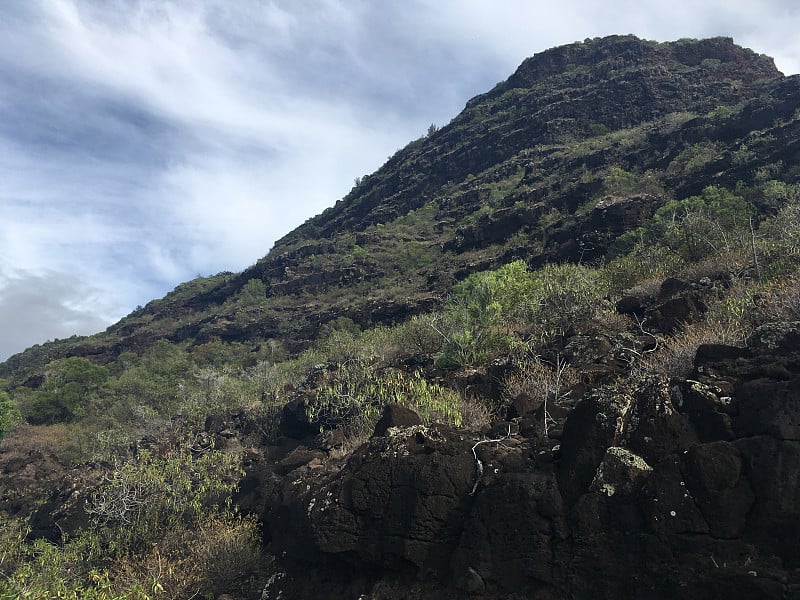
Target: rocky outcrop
[678,488]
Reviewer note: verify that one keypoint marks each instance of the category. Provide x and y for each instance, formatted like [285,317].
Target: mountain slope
[548,351]
[514,175]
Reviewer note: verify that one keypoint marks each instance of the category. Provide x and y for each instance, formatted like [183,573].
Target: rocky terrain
[549,351]
[671,488]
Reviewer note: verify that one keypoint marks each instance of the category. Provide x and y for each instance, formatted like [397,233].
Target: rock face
[677,489]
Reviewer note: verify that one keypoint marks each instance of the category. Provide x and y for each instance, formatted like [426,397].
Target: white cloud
[35,307]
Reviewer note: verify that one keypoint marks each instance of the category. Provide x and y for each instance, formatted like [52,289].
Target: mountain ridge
[630,82]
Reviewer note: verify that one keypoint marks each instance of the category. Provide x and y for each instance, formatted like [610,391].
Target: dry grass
[476,415]
[675,355]
[647,288]
[67,444]
[540,380]
[777,301]
[221,556]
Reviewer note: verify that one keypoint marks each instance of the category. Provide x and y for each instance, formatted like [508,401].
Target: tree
[70,386]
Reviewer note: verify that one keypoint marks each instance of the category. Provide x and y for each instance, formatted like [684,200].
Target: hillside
[548,350]
[515,175]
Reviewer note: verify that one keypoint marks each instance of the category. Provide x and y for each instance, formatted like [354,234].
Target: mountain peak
[618,52]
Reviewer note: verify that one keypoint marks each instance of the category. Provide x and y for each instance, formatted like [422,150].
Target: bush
[694,158]
[9,414]
[354,394]
[675,355]
[643,262]
[70,388]
[495,312]
[143,498]
[563,294]
[219,556]
[715,223]
[779,240]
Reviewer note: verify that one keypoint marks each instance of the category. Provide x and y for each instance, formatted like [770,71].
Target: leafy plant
[142,498]
[494,311]
[353,396]
[9,414]
[715,223]
[71,385]
[693,158]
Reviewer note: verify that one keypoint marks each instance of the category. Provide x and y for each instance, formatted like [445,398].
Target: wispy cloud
[143,142]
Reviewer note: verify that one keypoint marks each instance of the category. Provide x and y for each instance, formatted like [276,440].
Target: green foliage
[597,129]
[693,158]
[143,498]
[9,414]
[742,155]
[39,569]
[358,253]
[715,223]
[779,236]
[721,113]
[642,261]
[71,386]
[619,182]
[354,395]
[491,297]
[506,185]
[162,529]
[418,335]
[160,380]
[494,311]
[778,195]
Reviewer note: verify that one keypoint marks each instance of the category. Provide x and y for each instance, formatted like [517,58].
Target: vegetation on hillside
[162,523]
[468,253]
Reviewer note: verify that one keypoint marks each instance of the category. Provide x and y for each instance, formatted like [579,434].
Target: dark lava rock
[523,406]
[294,421]
[396,415]
[715,481]
[399,504]
[597,423]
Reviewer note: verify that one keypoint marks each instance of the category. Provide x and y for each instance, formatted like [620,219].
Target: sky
[146,142]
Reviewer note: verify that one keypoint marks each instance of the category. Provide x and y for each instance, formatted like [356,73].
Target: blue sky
[145,142]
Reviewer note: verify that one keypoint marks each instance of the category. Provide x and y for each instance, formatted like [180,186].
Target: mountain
[513,176]
[548,350]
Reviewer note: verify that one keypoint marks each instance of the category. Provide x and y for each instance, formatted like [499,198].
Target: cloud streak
[145,142]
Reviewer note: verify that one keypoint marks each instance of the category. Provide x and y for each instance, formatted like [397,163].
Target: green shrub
[9,414]
[493,312]
[143,498]
[353,396]
[694,158]
[715,223]
[618,181]
[563,294]
[643,261]
[779,239]
[482,314]
[71,386]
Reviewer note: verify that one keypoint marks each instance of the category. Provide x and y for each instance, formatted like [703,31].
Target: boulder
[621,472]
[396,415]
